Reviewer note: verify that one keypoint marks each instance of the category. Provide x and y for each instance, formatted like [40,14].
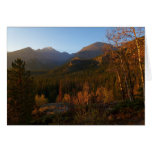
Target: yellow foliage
[40,100]
[102,94]
[83,96]
[99,94]
[108,95]
[67,98]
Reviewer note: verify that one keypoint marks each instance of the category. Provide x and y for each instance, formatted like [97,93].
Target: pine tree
[20,94]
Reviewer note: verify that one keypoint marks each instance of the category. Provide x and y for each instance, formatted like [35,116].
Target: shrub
[40,100]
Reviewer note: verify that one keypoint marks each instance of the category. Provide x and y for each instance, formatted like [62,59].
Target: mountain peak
[94,46]
[27,49]
[93,50]
[98,43]
[24,50]
[48,48]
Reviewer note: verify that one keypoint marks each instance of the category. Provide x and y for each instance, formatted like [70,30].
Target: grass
[119,113]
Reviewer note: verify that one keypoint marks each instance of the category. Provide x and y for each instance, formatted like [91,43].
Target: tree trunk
[120,84]
[139,57]
[124,71]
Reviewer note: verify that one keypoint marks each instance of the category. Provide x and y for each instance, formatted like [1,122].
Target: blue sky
[68,39]
[63,39]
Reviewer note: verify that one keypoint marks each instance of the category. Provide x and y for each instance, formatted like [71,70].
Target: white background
[74,138]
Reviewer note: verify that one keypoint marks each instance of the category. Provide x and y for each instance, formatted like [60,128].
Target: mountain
[85,61]
[41,59]
[94,50]
[77,65]
[49,58]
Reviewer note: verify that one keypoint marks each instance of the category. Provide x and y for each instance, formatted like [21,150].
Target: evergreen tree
[20,94]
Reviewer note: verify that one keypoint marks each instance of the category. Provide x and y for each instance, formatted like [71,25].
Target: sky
[63,39]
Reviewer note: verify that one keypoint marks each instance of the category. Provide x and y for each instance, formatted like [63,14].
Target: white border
[74,13]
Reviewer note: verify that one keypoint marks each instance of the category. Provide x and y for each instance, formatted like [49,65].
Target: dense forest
[106,89]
